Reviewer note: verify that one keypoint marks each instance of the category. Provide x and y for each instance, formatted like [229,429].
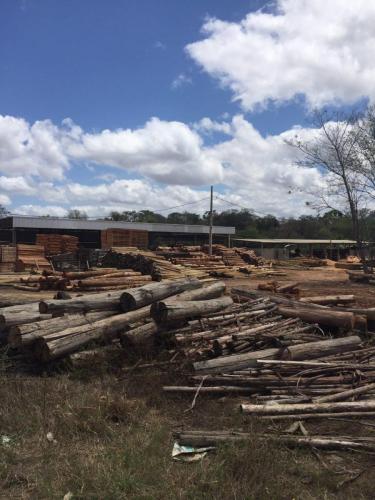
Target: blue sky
[114,65]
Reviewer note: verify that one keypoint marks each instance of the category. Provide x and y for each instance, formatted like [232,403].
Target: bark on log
[165,312]
[139,297]
[25,335]
[342,396]
[84,303]
[309,350]
[211,291]
[296,409]
[141,339]
[77,337]
[329,299]
[225,389]
[324,317]
[18,315]
[108,281]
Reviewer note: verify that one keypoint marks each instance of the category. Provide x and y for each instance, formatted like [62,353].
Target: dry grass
[113,441]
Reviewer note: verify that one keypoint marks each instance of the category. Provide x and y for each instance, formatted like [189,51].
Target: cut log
[306,351]
[329,299]
[108,281]
[298,408]
[77,337]
[18,315]
[145,295]
[211,291]
[164,312]
[291,288]
[325,317]
[142,339]
[84,303]
[26,334]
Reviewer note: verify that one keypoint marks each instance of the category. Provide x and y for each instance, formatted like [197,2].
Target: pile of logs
[147,262]
[94,280]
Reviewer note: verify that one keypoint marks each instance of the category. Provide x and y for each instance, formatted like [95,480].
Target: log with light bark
[301,408]
[84,303]
[329,299]
[20,314]
[325,317]
[306,351]
[74,275]
[139,297]
[26,334]
[77,337]
[290,288]
[212,390]
[344,395]
[165,312]
[108,281]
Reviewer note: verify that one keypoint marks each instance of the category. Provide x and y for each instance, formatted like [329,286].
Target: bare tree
[77,214]
[333,150]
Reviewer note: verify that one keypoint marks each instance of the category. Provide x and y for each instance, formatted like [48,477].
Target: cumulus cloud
[323,50]
[170,163]
[164,151]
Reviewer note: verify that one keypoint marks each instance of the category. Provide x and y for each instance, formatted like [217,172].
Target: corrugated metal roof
[98,224]
[296,241]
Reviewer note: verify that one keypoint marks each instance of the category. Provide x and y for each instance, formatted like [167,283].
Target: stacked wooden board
[8,257]
[31,258]
[55,244]
[124,238]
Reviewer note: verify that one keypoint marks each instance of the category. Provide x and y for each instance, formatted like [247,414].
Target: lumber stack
[124,238]
[56,244]
[31,257]
[8,257]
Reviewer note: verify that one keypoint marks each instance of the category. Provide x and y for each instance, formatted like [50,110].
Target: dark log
[141,339]
[324,317]
[139,297]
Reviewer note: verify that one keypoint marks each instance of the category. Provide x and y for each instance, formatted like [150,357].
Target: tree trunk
[140,339]
[164,312]
[139,297]
[84,303]
[329,299]
[77,337]
[25,335]
[342,396]
[322,317]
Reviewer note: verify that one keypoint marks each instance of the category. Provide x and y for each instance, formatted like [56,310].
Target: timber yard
[187,250]
[208,349]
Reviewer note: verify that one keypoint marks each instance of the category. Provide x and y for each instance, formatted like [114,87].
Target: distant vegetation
[331,225]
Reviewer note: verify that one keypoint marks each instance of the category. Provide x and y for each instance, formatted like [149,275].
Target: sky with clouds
[143,105]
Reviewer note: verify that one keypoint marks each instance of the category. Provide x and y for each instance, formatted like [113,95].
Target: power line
[183,205]
[256,212]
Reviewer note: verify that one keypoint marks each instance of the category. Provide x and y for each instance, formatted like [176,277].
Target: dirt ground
[112,429]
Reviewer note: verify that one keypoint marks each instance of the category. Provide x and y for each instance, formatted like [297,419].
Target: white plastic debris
[189,453]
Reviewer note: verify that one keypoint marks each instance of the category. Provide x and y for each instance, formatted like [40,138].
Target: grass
[113,441]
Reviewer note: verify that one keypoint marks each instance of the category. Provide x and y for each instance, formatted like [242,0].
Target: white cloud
[180,81]
[164,151]
[321,49]
[4,200]
[52,210]
[170,161]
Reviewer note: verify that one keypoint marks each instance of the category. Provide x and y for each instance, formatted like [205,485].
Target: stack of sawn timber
[55,244]
[31,258]
[115,237]
[8,257]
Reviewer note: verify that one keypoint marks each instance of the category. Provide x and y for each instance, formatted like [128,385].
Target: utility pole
[211,221]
